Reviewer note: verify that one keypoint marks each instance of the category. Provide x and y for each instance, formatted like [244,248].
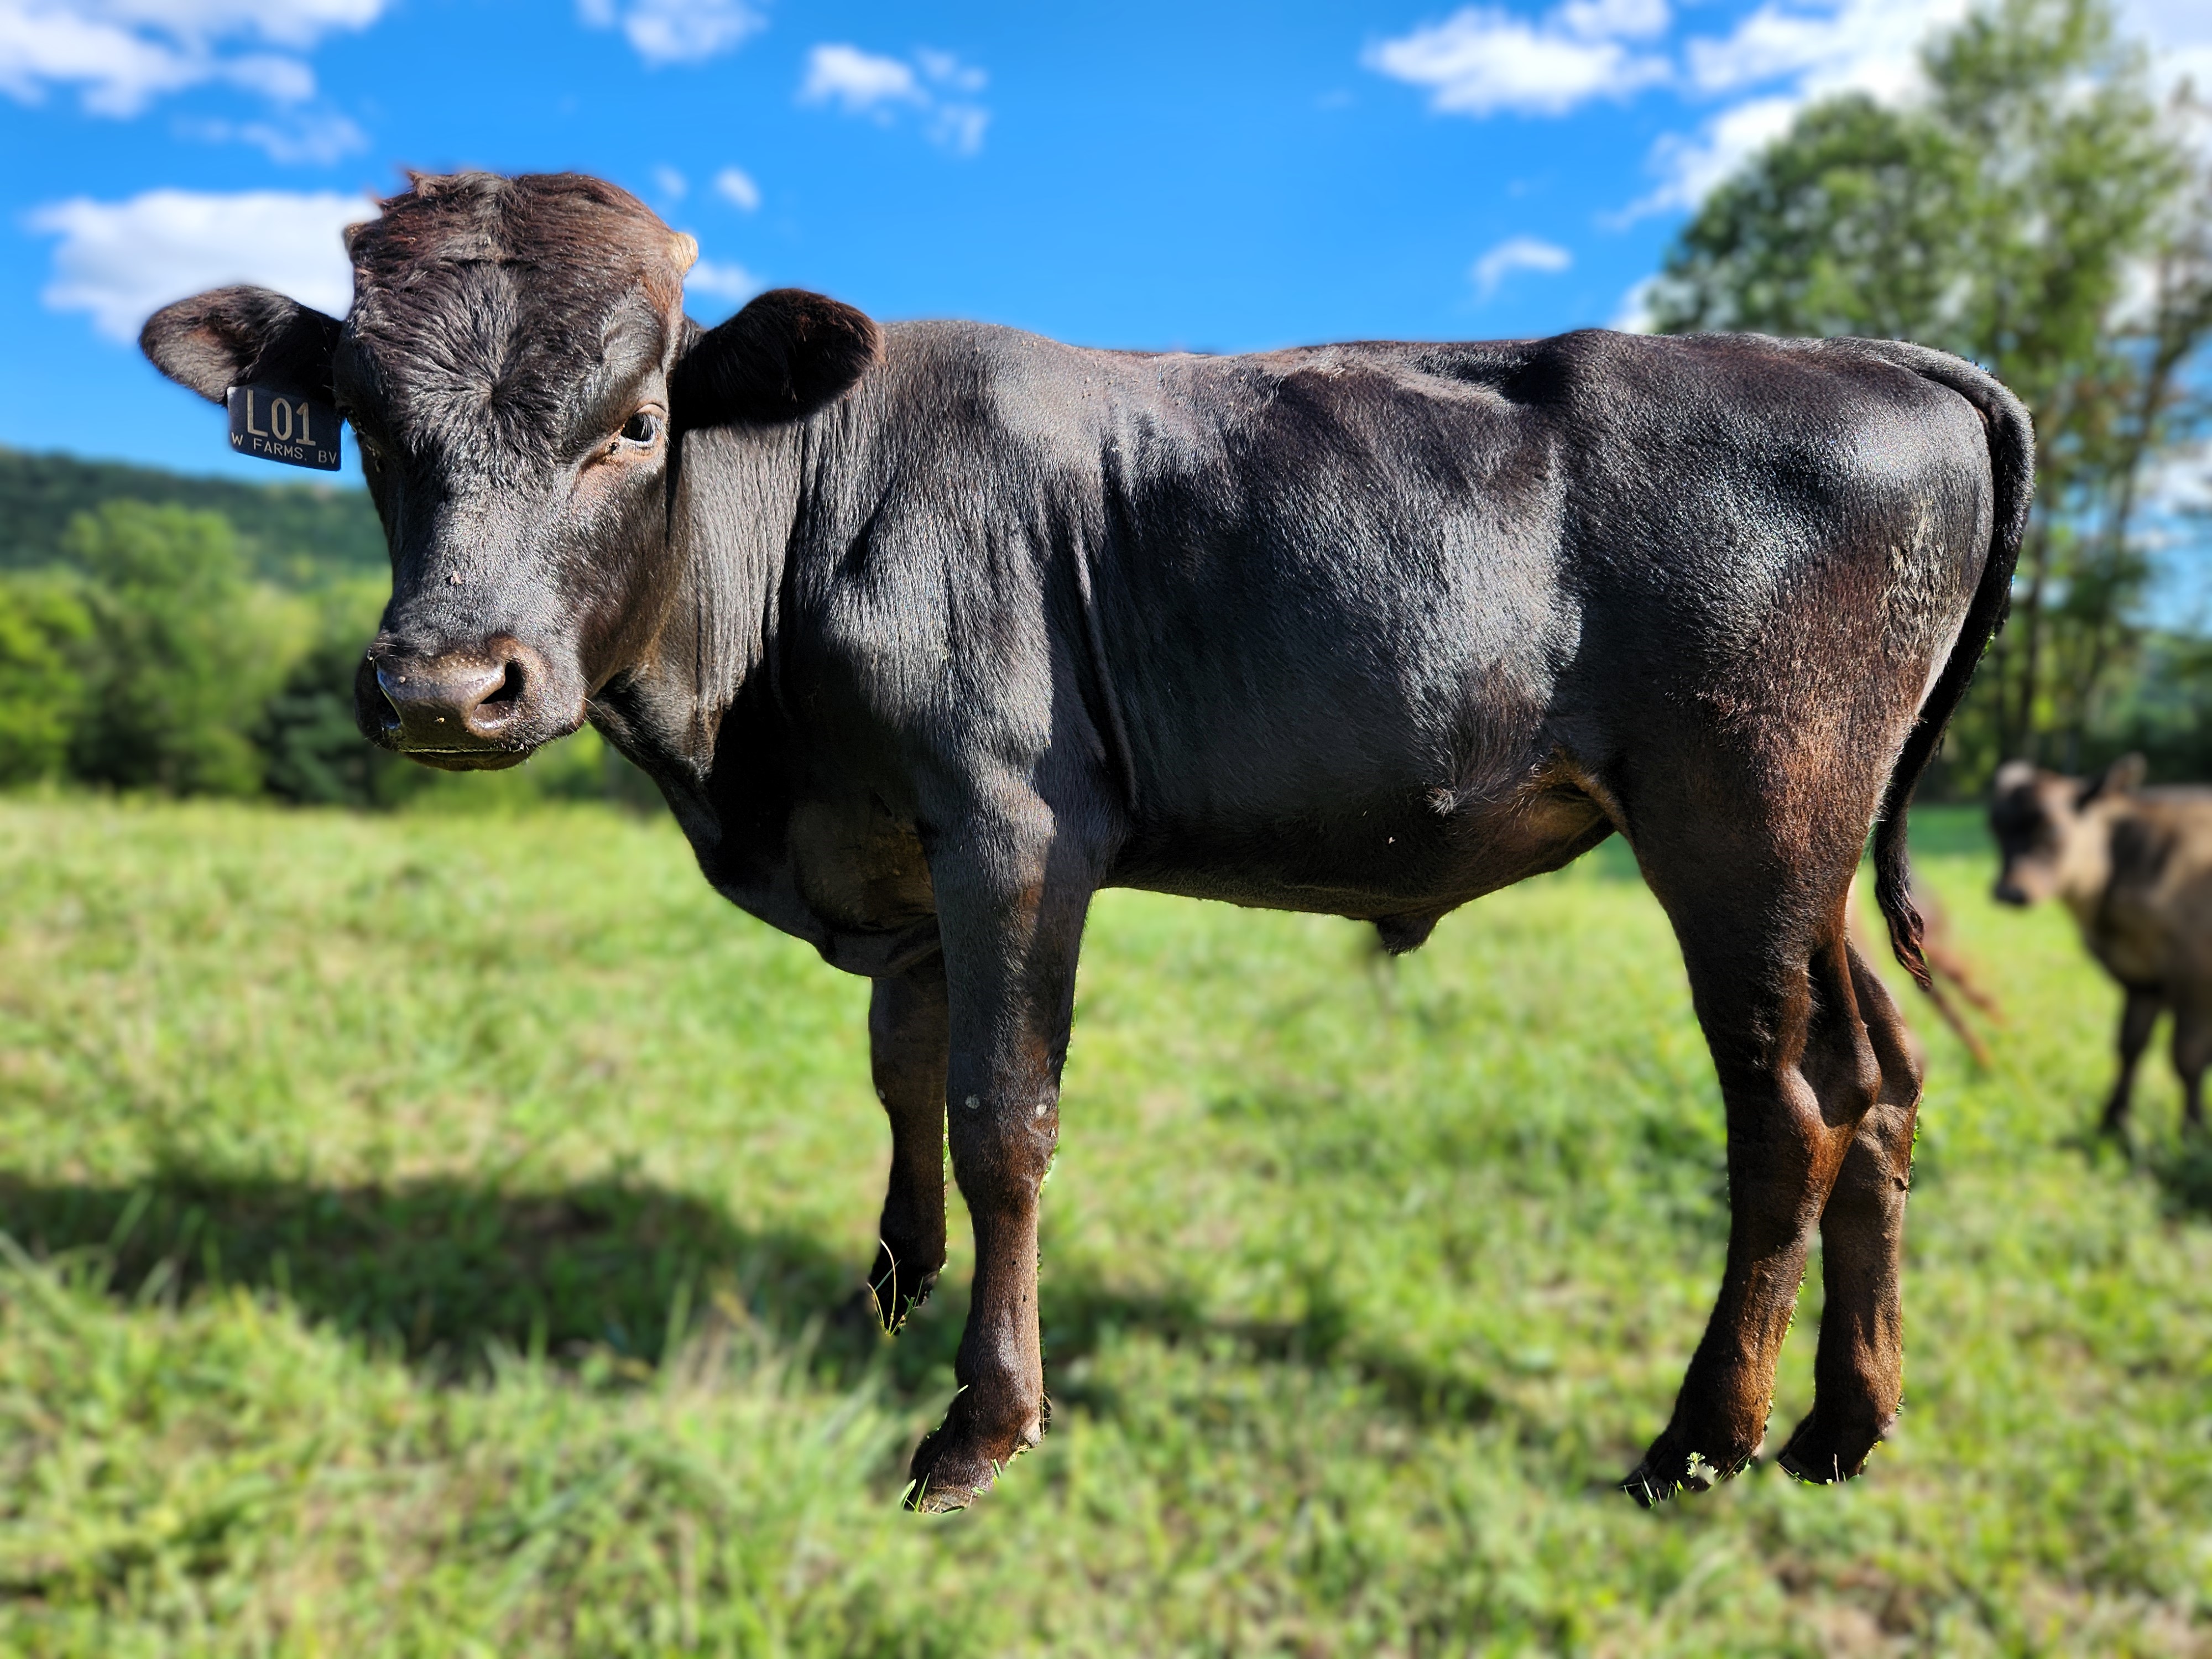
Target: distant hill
[298,534]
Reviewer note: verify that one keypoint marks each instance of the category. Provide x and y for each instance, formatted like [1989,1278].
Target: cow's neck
[735,496]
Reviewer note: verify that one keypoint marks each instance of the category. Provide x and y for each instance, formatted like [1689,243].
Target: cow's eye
[642,427]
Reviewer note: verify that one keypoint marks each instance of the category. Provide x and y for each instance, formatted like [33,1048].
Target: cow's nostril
[511,685]
[380,706]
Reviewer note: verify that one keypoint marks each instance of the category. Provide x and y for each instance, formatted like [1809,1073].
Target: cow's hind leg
[907,1039]
[1771,975]
[2193,1052]
[1859,1371]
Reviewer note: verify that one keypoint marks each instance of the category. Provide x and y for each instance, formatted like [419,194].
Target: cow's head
[2047,828]
[516,368]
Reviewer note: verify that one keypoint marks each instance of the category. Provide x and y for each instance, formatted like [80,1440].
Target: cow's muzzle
[469,710]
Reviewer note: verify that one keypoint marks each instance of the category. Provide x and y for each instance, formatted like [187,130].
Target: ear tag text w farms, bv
[281,425]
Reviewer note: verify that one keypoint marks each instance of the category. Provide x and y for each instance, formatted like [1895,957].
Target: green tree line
[152,650]
[291,534]
[2044,209]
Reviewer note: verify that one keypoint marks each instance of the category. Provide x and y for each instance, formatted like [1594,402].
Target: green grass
[428,1235]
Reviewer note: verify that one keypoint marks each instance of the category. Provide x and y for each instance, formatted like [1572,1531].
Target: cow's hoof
[1826,1449]
[1673,1465]
[959,1463]
[899,1283]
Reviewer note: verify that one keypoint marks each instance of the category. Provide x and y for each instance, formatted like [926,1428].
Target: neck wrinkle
[737,506]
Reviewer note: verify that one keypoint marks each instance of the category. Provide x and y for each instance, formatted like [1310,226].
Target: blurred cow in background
[2135,866]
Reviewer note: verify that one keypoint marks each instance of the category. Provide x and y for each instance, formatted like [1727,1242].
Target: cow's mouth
[468,759]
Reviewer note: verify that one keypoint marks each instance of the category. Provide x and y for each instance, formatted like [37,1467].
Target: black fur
[786,355]
[230,335]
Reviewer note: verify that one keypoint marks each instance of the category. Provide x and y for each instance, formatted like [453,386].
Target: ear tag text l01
[283,426]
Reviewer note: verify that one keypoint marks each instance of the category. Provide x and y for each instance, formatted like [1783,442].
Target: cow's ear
[2122,777]
[787,354]
[229,337]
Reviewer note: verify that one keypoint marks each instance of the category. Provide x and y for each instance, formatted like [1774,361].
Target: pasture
[426,1235]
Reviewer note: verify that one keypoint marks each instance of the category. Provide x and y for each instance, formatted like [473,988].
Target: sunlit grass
[429,1234]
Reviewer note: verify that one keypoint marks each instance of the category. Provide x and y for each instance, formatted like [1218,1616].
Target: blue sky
[1216,176]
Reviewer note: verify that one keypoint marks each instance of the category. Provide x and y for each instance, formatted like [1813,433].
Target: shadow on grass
[447,1273]
[441,1271]
[1082,1315]
[2183,1173]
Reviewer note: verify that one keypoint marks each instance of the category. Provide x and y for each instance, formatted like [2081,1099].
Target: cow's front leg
[1010,911]
[2138,1018]
[907,1054]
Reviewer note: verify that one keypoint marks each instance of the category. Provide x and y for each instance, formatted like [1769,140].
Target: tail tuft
[1893,891]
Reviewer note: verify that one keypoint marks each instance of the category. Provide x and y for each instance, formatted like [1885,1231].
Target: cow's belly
[1406,860]
[2154,934]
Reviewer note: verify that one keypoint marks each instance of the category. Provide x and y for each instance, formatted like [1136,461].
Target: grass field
[426,1235]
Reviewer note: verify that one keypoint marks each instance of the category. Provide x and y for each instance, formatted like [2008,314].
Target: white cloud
[1855,45]
[716,280]
[959,127]
[122,261]
[858,81]
[736,186]
[676,31]
[1772,63]
[669,183]
[2181,33]
[1689,167]
[120,55]
[317,137]
[1796,50]
[1481,59]
[936,87]
[949,72]
[1633,315]
[1516,253]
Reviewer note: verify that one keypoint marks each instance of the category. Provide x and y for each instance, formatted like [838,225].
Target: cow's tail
[2011,439]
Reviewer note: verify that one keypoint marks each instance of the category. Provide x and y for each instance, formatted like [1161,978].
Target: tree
[44,629]
[314,752]
[2039,211]
[185,653]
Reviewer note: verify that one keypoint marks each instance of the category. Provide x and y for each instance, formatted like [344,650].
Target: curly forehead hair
[565,226]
